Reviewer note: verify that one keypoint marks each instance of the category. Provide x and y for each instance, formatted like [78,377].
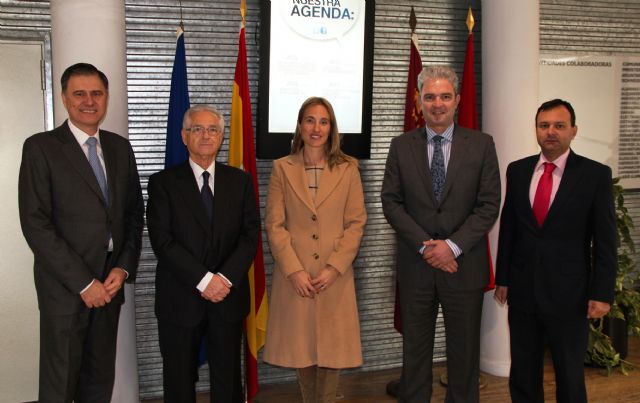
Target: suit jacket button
[439,211]
[316,256]
[313,217]
[314,236]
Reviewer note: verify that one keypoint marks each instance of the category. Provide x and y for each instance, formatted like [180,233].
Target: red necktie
[543,193]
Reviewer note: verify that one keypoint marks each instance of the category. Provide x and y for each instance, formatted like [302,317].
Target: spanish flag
[242,155]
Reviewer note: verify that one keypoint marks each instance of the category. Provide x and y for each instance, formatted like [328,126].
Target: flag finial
[470,21]
[181,21]
[412,20]
[243,11]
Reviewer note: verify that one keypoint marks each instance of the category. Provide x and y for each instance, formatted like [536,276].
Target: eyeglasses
[199,130]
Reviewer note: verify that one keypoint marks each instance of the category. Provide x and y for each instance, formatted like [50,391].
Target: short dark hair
[82,69]
[555,103]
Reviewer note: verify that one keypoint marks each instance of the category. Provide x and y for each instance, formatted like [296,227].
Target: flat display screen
[315,48]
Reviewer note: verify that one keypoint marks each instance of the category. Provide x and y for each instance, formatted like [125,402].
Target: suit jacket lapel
[524,182]
[109,154]
[188,190]
[221,206]
[458,154]
[328,182]
[419,152]
[78,160]
[297,177]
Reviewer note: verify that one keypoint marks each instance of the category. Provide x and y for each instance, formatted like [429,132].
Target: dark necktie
[98,171]
[207,195]
[437,168]
[543,193]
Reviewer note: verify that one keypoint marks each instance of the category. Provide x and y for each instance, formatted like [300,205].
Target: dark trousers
[462,310]
[78,355]
[180,345]
[567,340]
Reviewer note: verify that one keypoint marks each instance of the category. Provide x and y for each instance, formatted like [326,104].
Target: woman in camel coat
[315,220]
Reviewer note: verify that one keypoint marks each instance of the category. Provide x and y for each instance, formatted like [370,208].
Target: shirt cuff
[202,285]
[421,251]
[87,287]
[454,248]
[226,280]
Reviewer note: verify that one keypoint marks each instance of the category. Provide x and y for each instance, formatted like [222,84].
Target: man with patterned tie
[441,194]
[203,226]
[81,212]
[556,262]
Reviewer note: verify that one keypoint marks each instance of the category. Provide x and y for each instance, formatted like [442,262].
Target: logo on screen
[319,19]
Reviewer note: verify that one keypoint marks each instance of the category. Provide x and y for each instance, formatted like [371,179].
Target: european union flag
[175,151]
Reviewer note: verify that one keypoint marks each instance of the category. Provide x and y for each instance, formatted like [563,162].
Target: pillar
[510,51]
[93,31]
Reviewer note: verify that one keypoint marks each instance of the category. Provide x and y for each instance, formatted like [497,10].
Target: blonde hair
[334,154]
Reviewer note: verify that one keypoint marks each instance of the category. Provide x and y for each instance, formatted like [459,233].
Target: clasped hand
[308,287]
[439,255]
[216,290]
[100,294]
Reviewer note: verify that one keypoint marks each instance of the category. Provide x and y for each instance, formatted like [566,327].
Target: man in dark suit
[81,212]
[441,194]
[556,262]
[203,225]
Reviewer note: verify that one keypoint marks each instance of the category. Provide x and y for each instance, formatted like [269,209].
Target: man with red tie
[556,262]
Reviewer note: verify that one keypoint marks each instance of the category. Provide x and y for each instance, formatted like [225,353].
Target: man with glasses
[203,226]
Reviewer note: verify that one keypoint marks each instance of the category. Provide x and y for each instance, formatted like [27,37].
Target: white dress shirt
[446,142]
[82,137]
[197,173]
[556,175]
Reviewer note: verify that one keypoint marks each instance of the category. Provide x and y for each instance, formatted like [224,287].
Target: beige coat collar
[297,177]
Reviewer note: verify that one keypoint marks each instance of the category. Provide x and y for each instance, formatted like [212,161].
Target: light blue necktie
[97,167]
[437,168]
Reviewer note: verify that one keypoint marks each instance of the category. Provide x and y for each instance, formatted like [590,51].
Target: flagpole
[468,117]
[412,119]
[175,151]
[242,155]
